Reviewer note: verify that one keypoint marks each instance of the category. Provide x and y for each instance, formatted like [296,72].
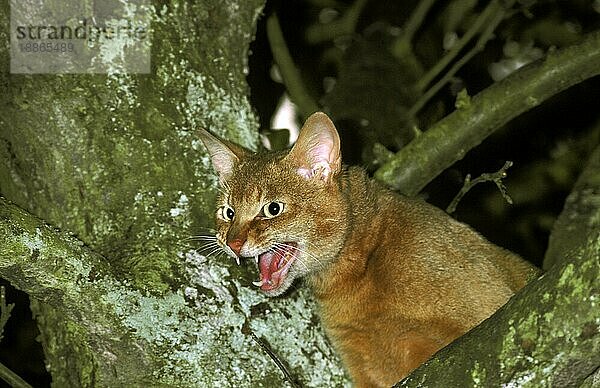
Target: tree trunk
[113,160]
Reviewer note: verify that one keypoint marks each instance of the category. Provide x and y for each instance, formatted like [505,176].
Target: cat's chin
[274,269]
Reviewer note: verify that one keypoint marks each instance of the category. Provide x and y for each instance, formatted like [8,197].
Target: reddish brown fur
[396,278]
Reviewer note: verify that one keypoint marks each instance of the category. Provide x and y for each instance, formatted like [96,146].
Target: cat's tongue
[273,267]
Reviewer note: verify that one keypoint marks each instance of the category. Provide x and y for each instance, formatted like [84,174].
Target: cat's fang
[258,283]
[237,260]
[256,259]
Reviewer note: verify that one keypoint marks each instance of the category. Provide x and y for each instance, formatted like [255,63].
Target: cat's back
[431,255]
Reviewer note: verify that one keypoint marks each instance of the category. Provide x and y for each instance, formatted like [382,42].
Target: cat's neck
[363,198]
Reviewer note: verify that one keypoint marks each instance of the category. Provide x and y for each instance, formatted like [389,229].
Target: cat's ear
[316,153]
[223,154]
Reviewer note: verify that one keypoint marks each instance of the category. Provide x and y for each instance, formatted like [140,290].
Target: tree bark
[548,335]
[113,160]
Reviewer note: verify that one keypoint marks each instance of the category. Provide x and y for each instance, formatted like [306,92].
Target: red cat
[396,278]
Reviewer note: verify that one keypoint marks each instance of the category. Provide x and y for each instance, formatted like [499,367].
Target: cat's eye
[272,209]
[226,213]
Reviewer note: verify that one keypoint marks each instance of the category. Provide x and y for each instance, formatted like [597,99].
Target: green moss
[463,100]
[478,375]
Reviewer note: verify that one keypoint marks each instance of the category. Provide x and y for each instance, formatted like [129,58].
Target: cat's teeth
[258,284]
[237,260]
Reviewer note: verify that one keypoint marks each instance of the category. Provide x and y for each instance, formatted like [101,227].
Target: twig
[495,177]
[12,378]
[290,74]
[410,27]
[492,8]
[275,359]
[345,25]
[479,45]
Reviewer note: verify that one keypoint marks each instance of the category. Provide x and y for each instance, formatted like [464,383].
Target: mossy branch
[449,140]
[580,220]
[548,334]
[58,270]
[50,266]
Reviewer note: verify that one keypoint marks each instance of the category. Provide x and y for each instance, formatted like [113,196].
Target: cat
[396,279]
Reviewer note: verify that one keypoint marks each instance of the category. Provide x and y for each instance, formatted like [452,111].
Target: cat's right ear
[223,154]
[316,153]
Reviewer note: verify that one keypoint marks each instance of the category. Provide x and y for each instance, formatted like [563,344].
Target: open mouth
[274,265]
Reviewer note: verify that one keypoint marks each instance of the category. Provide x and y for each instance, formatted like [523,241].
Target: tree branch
[580,220]
[548,334]
[491,12]
[449,140]
[51,267]
[495,177]
[486,35]
[58,270]
[14,380]
[345,25]
[403,43]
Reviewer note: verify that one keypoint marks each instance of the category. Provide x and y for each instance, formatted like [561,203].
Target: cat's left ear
[317,150]
[223,154]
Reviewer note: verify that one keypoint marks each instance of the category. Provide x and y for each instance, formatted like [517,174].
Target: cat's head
[283,209]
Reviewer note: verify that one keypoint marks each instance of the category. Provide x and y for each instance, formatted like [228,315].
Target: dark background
[548,145]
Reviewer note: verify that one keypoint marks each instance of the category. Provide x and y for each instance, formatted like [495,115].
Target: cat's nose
[236,245]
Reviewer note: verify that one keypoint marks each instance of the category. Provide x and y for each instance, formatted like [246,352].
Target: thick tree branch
[51,267]
[547,335]
[58,270]
[449,140]
[580,220]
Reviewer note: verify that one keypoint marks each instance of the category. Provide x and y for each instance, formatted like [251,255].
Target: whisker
[313,257]
[207,238]
[217,250]
[208,248]
[286,248]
